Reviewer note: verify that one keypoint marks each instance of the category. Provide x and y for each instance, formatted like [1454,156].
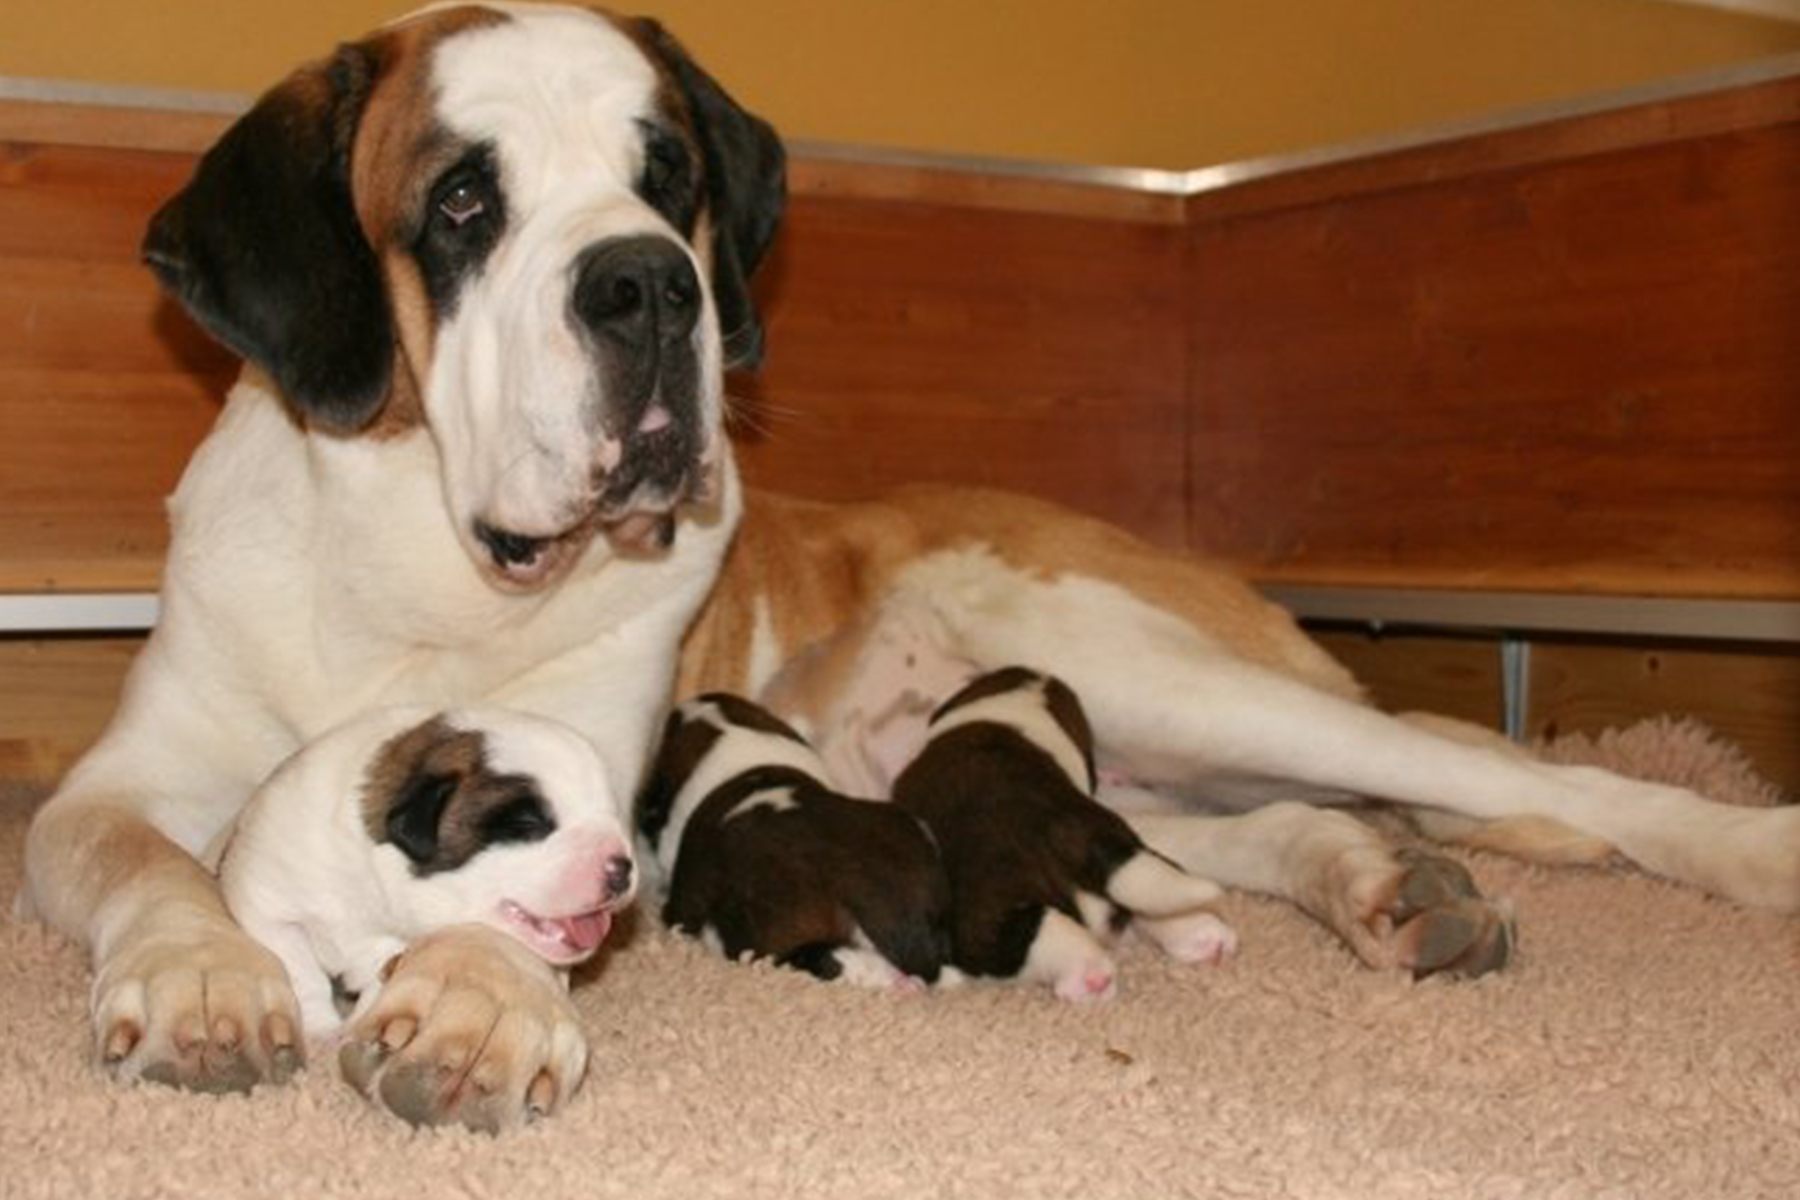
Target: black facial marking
[668,181]
[413,818]
[462,219]
[432,794]
[521,817]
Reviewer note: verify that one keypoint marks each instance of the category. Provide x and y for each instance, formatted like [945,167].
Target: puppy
[405,820]
[763,857]
[1039,871]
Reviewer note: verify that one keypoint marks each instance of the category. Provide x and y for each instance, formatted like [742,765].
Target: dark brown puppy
[763,858]
[1039,871]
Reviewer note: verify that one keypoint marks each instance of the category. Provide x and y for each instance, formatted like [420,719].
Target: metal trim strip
[1151,180]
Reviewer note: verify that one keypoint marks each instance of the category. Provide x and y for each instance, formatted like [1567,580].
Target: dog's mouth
[636,508]
[558,940]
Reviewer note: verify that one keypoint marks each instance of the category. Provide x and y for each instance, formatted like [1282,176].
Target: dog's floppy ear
[746,190]
[264,249]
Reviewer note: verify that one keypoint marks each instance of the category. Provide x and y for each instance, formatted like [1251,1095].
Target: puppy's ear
[685,742]
[263,246]
[417,813]
[746,190]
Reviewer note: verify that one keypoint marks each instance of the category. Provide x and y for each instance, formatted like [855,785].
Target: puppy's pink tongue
[587,931]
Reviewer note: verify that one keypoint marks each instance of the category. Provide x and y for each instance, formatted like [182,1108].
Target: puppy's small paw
[866,968]
[1089,981]
[1199,937]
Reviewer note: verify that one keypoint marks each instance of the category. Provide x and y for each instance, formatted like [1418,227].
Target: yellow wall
[1173,83]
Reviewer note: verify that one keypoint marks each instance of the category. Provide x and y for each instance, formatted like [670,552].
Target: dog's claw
[178,1010]
[469,1029]
[120,1041]
[359,1061]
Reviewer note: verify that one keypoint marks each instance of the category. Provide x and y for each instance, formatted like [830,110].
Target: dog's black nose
[618,876]
[638,291]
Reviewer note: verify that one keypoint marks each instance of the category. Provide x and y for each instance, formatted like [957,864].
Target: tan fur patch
[822,569]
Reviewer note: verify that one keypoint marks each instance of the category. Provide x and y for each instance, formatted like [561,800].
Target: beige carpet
[1647,1044]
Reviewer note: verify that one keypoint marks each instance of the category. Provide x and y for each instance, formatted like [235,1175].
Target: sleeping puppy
[405,820]
[1039,871]
[763,858]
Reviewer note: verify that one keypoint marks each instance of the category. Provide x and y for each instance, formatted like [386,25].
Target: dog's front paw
[469,1028]
[194,1002]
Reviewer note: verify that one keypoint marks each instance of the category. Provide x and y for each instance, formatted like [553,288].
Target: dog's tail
[1150,885]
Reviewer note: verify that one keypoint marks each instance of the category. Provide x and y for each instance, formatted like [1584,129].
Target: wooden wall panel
[916,341]
[1556,358]
[1416,672]
[1749,695]
[58,695]
[1576,375]
[104,388]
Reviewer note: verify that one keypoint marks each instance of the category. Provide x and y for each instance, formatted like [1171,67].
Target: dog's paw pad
[1443,924]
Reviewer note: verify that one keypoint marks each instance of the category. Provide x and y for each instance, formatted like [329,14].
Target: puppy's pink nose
[618,876]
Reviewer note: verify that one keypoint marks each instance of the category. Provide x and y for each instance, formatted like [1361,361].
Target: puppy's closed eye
[520,817]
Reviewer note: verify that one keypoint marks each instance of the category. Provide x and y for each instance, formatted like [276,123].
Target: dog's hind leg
[1171,704]
[1534,838]
[1395,909]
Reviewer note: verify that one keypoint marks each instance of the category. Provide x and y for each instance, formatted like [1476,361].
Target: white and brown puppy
[404,821]
[764,858]
[1040,873]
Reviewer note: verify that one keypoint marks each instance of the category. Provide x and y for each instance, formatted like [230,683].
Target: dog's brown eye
[462,204]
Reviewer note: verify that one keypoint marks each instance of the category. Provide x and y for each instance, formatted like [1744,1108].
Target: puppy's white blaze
[1026,711]
[775,799]
[1154,887]
[737,750]
[1068,958]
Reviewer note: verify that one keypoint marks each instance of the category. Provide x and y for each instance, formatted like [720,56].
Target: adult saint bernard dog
[487,267]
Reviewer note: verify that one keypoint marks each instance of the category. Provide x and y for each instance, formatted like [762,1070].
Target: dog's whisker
[759,416]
